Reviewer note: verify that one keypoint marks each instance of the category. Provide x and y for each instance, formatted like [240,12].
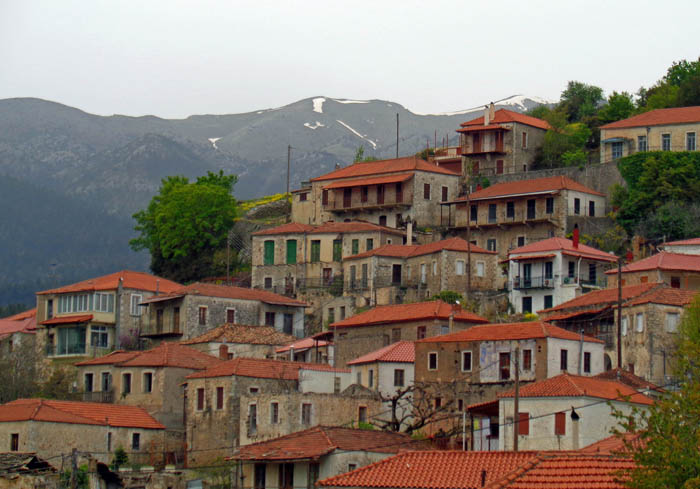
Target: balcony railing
[106,397]
[532,283]
[339,203]
[76,349]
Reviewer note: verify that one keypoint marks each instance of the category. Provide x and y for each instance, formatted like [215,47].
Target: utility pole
[619,312]
[397,134]
[516,414]
[74,469]
[469,243]
[289,160]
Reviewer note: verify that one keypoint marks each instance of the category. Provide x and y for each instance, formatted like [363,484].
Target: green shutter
[269,253]
[315,251]
[291,252]
[355,246]
[337,250]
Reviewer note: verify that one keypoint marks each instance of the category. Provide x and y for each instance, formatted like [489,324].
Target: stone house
[150,379]
[50,428]
[683,247]
[240,340]
[546,273]
[393,274]
[314,349]
[482,359]
[217,401]
[378,327]
[500,141]
[92,317]
[675,269]
[15,335]
[300,459]
[507,215]
[193,310]
[387,192]
[674,129]
[566,412]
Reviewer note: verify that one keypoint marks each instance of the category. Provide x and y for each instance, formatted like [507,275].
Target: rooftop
[408,251]
[130,280]
[331,227]
[399,352]
[303,345]
[566,246]
[73,412]
[545,185]
[663,260]
[228,292]
[399,313]
[29,313]
[260,368]
[361,169]
[242,334]
[502,116]
[604,297]
[8,327]
[509,332]
[627,377]
[164,355]
[684,242]
[665,295]
[658,117]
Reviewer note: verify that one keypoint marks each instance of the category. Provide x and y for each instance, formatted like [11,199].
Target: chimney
[409,231]
[487,115]
[575,236]
[478,187]
[492,111]
[574,429]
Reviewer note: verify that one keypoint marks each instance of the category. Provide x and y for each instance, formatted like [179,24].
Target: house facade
[501,141]
[674,129]
[90,318]
[230,341]
[678,270]
[546,273]
[509,215]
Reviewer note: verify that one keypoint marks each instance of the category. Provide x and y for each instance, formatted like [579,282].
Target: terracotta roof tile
[390,250]
[242,334]
[172,355]
[664,261]
[399,313]
[329,227]
[229,292]
[525,187]
[30,313]
[509,331]
[658,117]
[408,251]
[399,352]
[683,242]
[566,385]
[502,116]
[259,368]
[614,444]
[289,228]
[432,470]
[321,440]
[78,413]
[80,318]
[603,297]
[113,358]
[359,182]
[566,246]
[665,295]
[302,345]
[626,377]
[8,327]
[396,165]
[130,280]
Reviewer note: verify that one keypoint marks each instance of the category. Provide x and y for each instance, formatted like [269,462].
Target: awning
[490,127]
[488,408]
[590,256]
[370,181]
[68,320]
[160,298]
[533,257]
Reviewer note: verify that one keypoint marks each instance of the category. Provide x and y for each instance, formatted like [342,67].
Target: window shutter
[524,424]
[560,424]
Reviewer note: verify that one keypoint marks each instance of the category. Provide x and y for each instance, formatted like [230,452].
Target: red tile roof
[242,334]
[567,470]
[399,352]
[303,345]
[665,295]
[614,444]
[502,116]
[407,251]
[81,318]
[527,187]
[113,358]
[663,261]
[508,332]
[683,242]
[289,228]
[78,413]
[401,313]
[172,355]
[259,368]
[626,377]
[229,292]
[566,246]
[604,297]
[410,163]
[432,470]
[568,315]
[30,313]
[360,182]
[566,385]
[8,327]
[130,280]
[659,117]
[330,227]
[322,440]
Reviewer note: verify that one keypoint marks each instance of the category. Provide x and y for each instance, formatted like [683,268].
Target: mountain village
[422,322]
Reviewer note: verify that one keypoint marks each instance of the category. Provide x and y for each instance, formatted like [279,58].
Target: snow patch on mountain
[315,125]
[347,101]
[213,142]
[374,145]
[516,102]
[318,104]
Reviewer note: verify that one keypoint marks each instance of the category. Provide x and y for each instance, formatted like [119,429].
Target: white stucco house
[684,247]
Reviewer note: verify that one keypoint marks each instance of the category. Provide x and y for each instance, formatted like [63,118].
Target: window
[473,212]
[480,268]
[459,267]
[510,209]
[106,383]
[639,322]
[359,378]
[466,361]
[592,273]
[676,282]
[331,315]
[202,315]
[269,319]
[445,191]
[527,360]
[491,244]
[549,205]
[577,206]
[434,268]
[136,441]
[303,196]
[395,335]
[126,383]
[355,246]
[200,399]
[14,442]
[624,326]
[548,269]
[422,273]
[524,424]
[560,424]
[342,312]
[135,301]
[492,213]
[563,359]
[337,250]
[324,197]
[398,377]
[362,414]
[587,362]
[521,241]
[274,412]
[109,441]
[148,382]
[219,398]
[259,479]
[617,150]
[306,414]
[351,467]
[499,167]
[336,385]
[531,208]
[672,320]
[548,301]
[420,332]
[253,419]
[364,194]
[690,141]
[641,143]
[432,360]
[504,365]
[665,142]
[315,250]
[230,315]
[426,191]
[269,253]
[268,282]
[369,244]
[572,269]
[99,336]
[88,382]
[291,252]
[370,378]
[49,309]
[524,140]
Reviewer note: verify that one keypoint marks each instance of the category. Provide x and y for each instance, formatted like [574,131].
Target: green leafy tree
[689,91]
[120,458]
[681,71]
[449,296]
[569,138]
[360,156]
[672,221]
[620,106]
[185,224]
[580,100]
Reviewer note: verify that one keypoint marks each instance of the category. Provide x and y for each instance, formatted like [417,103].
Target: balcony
[338,203]
[520,283]
[106,397]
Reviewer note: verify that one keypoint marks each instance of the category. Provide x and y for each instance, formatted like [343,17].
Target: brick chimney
[492,111]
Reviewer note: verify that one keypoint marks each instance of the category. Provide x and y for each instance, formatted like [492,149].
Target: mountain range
[71,180]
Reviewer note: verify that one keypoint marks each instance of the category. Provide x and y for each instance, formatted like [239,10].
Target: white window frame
[423,273]
[663,138]
[672,326]
[434,268]
[642,144]
[687,141]
[437,358]
[136,310]
[624,325]
[101,330]
[311,414]
[471,360]
[480,268]
[639,322]
[459,267]
[617,150]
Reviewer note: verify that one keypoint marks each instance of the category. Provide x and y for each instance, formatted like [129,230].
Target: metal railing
[532,283]
[106,397]
[340,203]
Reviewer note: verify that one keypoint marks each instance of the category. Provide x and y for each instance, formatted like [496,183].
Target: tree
[580,100]
[666,453]
[449,296]
[620,106]
[360,156]
[18,373]
[672,221]
[185,224]
[689,91]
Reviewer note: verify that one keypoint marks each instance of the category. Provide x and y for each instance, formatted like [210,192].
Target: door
[347,197]
[259,477]
[286,476]
[380,194]
[476,138]
[527,304]
[504,365]
[527,275]
[364,275]
[399,192]
[176,320]
[499,142]
[291,252]
[499,167]
[396,274]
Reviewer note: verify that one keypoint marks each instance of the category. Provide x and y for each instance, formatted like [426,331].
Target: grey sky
[176,58]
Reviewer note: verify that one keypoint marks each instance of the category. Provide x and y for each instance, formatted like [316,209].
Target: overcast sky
[176,58]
